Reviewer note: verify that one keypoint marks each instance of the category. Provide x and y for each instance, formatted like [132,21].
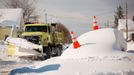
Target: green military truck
[47,36]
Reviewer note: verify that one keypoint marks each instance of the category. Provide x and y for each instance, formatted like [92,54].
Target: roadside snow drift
[100,54]
[94,43]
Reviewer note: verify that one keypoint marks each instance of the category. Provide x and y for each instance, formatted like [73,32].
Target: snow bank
[122,24]
[2,50]
[2,46]
[130,46]
[101,42]
[77,67]
[100,54]
[109,38]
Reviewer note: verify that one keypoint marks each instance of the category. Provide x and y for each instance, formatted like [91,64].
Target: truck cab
[46,36]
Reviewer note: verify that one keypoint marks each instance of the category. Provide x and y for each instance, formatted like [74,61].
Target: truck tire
[59,50]
[48,52]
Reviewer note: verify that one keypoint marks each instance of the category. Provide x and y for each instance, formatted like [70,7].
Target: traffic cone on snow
[75,42]
[95,26]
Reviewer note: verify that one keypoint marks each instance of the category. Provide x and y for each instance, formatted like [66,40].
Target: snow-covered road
[100,54]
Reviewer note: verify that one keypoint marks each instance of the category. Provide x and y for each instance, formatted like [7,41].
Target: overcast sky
[77,14]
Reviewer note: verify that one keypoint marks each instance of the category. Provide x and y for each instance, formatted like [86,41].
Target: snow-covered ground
[100,53]
[130,46]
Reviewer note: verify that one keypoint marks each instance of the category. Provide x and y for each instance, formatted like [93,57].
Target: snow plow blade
[21,47]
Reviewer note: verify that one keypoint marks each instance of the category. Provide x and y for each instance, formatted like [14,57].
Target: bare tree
[27,6]
[67,35]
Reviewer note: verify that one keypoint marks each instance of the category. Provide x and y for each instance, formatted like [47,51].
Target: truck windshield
[36,29]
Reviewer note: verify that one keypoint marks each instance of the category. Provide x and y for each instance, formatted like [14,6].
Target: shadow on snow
[130,51]
[39,70]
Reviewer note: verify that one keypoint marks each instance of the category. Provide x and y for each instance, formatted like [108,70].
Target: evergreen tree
[118,15]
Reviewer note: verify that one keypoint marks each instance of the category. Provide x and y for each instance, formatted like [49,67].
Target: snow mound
[2,50]
[100,54]
[100,42]
[130,46]
[122,24]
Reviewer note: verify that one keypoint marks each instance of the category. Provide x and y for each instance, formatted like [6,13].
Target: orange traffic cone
[95,26]
[75,42]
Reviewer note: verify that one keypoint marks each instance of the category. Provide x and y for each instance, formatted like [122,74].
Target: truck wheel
[48,51]
[59,51]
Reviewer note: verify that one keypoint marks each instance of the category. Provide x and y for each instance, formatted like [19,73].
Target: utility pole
[46,17]
[126,22]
